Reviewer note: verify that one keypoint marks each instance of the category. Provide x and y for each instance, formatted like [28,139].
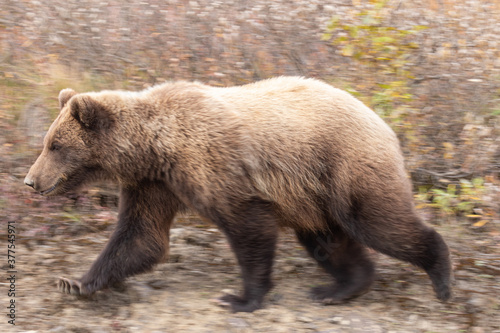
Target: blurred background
[430,68]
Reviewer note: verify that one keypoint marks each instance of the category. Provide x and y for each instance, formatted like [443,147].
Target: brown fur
[287,152]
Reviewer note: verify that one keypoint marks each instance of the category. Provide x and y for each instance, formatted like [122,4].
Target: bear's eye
[55,146]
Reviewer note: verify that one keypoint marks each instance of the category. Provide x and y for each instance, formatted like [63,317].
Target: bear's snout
[28,181]
[45,175]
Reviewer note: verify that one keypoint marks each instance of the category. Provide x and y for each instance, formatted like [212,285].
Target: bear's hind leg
[424,248]
[139,241]
[252,234]
[344,259]
[395,229]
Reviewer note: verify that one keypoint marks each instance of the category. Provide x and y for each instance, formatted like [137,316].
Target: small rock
[335,320]
[304,319]
[477,301]
[285,318]
[157,284]
[424,325]
[237,322]
[289,269]
[310,326]
[228,291]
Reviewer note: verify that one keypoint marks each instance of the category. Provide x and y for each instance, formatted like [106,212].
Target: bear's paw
[338,294]
[73,287]
[239,304]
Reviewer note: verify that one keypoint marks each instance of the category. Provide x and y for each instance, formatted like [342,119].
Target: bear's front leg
[252,233]
[138,243]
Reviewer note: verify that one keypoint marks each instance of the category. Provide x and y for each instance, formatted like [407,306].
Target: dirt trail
[178,296]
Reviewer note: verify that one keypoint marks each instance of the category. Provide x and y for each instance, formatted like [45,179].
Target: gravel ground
[179,295]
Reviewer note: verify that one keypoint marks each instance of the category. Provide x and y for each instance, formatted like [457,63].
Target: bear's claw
[334,294]
[238,304]
[68,286]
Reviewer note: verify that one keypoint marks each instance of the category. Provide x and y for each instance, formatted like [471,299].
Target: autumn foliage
[431,68]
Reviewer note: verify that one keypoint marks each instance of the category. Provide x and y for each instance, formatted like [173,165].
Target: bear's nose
[30,182]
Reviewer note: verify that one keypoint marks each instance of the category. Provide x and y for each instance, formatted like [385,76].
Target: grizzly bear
[283,152]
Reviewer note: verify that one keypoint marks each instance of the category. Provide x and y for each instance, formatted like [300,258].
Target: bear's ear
[64,96]
[90,113]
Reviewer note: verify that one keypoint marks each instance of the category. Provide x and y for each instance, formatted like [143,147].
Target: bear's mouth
[45,192]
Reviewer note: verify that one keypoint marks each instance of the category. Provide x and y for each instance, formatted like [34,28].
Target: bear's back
[296,110]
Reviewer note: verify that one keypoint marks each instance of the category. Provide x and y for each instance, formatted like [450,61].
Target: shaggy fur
[284,152]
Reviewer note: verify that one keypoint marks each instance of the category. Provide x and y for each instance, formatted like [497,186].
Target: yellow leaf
[480,223]
[448,145]
[474,216]
[348,51]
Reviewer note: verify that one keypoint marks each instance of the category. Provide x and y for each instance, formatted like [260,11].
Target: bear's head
[72,147]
